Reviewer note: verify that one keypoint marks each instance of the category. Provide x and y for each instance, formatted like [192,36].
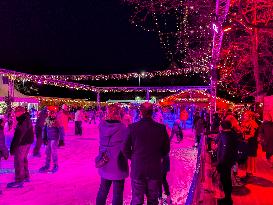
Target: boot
[61,143]
[15,185]
[27,179]
[169,200]
[54,169]
[44,169]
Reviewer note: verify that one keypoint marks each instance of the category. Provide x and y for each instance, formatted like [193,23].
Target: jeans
[148,187]
[78,127]
[21,163]
[62,133]
[51,150]
[165,185]
[105,185]
[39,140]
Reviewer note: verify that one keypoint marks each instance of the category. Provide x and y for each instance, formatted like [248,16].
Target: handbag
[242,153]
[103,158]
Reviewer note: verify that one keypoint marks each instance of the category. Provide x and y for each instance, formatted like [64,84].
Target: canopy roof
[202,98]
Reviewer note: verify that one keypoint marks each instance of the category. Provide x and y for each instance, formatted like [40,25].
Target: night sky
[74,37]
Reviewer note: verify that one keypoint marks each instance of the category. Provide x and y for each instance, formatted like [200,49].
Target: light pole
[142,74]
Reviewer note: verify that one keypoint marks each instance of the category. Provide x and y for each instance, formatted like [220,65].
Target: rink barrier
[196,184]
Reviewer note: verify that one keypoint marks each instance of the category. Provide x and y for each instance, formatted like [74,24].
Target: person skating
[63,118]
[177,131]
[199,128]
[20,145]
[158,117]
[39,131]
[184,115]
[79,118]
[52,132]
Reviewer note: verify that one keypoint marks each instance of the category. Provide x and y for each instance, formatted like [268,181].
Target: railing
[199,175]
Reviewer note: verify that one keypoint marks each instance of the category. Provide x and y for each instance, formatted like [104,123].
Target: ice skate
[54,169]
[27,179]
[15,185]
[44,169]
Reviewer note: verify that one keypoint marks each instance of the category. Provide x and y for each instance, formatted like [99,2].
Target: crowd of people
[142,136]
[233,144]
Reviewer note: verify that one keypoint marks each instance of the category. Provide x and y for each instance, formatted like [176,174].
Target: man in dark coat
[146,145]
[39,130]
[20,145]
[226,157]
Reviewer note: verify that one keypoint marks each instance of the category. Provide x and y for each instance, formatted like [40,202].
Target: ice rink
[77,181]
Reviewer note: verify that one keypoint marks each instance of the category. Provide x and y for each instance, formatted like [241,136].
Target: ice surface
[77,181]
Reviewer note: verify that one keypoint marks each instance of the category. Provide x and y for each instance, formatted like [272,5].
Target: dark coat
[227,148]
[23,134]
[199,126]
[112,136]
[52,129]
[266,133]
[41,118]
[166,164]
[4,152]
[146,145]
[177,130]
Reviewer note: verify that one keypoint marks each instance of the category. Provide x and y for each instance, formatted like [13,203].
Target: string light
[156,16]
[63,79]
